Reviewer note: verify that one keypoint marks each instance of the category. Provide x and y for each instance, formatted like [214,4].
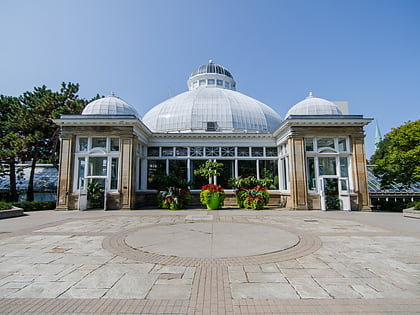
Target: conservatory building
[315,155]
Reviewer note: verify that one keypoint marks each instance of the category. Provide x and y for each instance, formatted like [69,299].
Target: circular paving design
[211,243]
[211,240]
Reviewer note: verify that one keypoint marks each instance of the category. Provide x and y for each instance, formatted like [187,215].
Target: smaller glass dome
[211,75]
[211,68]
[110,105]
[312,105]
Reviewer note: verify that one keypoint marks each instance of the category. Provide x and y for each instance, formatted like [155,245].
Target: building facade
[315,155]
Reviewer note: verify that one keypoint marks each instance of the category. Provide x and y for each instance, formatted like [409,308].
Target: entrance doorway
[334,193]
[92,193]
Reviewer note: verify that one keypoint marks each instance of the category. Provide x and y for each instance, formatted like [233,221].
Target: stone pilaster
[127,174]
[360,177]
[298,186]
[65,173]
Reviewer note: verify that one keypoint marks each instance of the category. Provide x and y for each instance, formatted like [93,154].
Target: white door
[322,194]
[82,194]
[344,191]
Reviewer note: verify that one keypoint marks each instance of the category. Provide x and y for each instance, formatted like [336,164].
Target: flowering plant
[173,198]
[249,189]
[212,191]
[255,198]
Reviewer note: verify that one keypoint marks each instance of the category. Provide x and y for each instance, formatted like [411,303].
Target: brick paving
[79,263]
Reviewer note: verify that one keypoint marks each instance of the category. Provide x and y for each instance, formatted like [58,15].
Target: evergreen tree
[35,114]
[11,142]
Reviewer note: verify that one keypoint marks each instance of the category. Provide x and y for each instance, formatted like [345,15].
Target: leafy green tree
[397,159]
[209,170]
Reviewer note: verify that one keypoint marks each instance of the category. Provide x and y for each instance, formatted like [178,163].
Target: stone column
[65,173]
[127,182]
[298,185]
[360,177]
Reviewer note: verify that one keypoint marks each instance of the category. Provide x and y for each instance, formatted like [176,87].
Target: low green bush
[35,205]
[5,205]
[416,205]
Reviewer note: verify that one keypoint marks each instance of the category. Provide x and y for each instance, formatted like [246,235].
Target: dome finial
[112,93]
[310,94]
[210,60]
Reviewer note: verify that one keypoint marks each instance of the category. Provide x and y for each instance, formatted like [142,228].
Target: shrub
[415,204]
[162,182]
[392,204]
[5,205]
[35,205]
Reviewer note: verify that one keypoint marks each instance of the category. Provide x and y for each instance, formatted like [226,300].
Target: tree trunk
[30,191]
[12,180]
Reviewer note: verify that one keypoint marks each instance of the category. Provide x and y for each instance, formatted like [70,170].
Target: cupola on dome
[211,68]
[312,105]
[110,105]
[211,75]
[211,105]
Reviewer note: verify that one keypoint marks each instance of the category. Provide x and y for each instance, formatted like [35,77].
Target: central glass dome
[212,104]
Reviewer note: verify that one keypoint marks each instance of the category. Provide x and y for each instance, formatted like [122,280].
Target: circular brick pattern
[211,240]
[117,244]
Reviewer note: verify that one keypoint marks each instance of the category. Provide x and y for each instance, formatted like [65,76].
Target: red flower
[212,187]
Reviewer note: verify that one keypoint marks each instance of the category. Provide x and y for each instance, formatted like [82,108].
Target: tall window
[227,172]
[178,168]
[269,168]
[327,156]
[181,161]
[155,168]
[197,181]
[247,168]
[97,157]
[311,173]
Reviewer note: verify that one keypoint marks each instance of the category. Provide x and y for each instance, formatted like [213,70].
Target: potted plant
[211,195]
[240,186]
[173,198]
[174,193]
[255,198]
[250,192]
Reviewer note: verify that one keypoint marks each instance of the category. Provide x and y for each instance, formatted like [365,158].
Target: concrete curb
[411,213]
[14,212]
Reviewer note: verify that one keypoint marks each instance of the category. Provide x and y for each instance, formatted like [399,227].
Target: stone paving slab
[62,262]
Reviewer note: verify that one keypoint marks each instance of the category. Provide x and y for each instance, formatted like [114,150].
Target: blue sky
[364,52]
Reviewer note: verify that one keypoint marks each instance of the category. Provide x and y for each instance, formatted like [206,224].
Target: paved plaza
[210,262]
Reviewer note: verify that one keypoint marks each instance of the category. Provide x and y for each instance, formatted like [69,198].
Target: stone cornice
[99,120]
[324,121]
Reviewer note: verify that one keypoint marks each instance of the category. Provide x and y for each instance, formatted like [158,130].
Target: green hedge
[35,205]
[5,205]
[28,205]
[416,205]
